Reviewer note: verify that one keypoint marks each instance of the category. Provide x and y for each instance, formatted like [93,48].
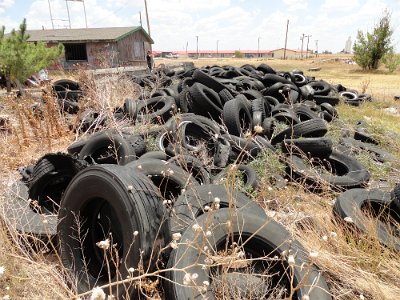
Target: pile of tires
[118,210]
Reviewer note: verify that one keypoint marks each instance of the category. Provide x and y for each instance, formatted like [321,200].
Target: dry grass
[353,264]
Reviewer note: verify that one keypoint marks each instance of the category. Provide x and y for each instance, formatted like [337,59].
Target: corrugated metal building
[94,48]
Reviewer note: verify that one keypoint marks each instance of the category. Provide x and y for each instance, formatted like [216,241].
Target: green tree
[369,48]
[19,58]
[238,54]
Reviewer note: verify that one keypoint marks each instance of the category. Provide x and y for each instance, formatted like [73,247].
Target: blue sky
[236,24]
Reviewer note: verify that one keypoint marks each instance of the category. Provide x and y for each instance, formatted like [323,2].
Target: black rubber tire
[191,204]
[97,149]
[193,166]
[332,100]
[310,128]
[208,81]
[261,105]
[304,113]
[169,178]
[266,69]
[156,110]
[311,146]
[20,214]
[321,87]
[50,177]
[351,203]
[395,194]
[287,117]
[260,236]
[66,84]
[250,176]
[184,99]
[161,155]
[130,108]
[137,142]
[354,146]
[268,126]
[237,116]
[205,102]
[110,199]
[329,109]
[251,94]
[361,135]
[344,172]
[242,149]
[225,95]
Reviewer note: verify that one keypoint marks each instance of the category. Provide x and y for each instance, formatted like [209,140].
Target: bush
[391,61]
[238,54]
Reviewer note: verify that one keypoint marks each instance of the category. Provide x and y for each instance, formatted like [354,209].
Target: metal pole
[258,47]
[197,43]
[147,17]
[51,16]
[308,40]
[187,44]
[140,18]
[84,11]
[302,39]
[69,19]
[316,48]
[217,47]
[284,50]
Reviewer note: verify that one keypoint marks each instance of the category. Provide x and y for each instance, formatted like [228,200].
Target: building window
[76,52]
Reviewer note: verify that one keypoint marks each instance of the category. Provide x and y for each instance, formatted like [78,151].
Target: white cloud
[340,5]
[294,5]
[4,4]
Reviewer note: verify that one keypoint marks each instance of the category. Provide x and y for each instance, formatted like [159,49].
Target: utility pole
[284,50]
[147,17]
[316,47]
[51,16]
[302,40]
[84,11]
[140,18]
[197,46]
[217,47]
[308,40]
[258,47]
[187,44]
[69,18]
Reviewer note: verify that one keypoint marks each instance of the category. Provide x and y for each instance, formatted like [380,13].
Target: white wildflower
[291,260]
[104,244]
[314,253]
[135,233]
[173,245]
[362,297]
[217,206]
[6,297]
[208,261]
[131,270]
[325,238]
[2,270]
[45,221]
[196,227]
[139,167]
[207,208]
[348,220]
[205,248]
[208,233]
[187,279]
[176,236]
[241,254]
[97,294]
[164,202]
[206,283]
[217,200]
[333,235]
[130,188]
[258,129]
[269,188]
[305,297]
[195,276]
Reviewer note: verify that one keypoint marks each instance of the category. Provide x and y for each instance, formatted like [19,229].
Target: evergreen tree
[19,59]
